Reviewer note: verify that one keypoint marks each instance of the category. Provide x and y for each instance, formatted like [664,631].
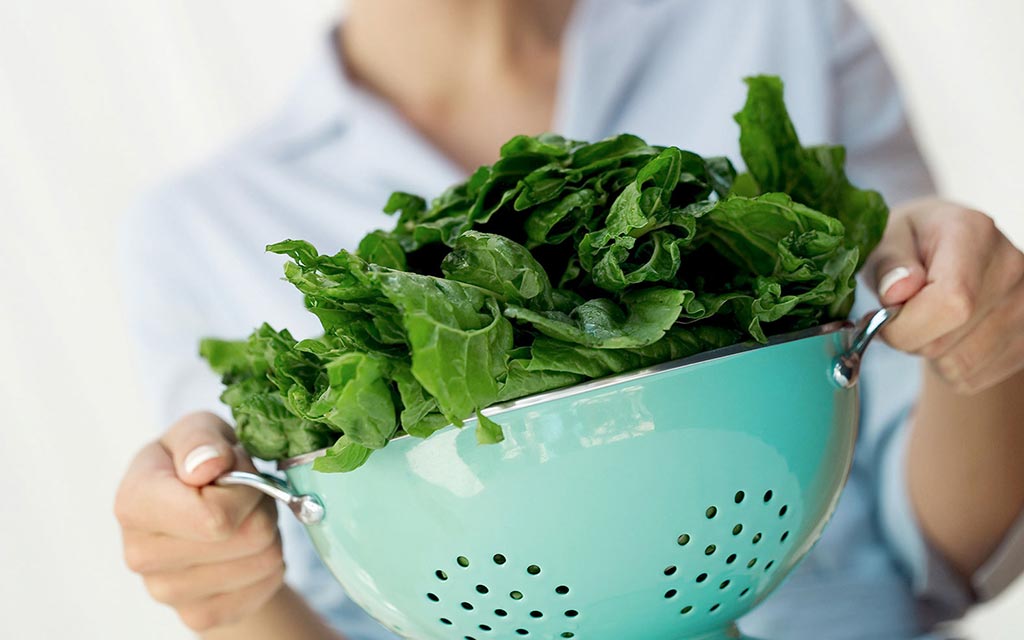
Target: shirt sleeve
[166,310]
[882,153]
[870,118]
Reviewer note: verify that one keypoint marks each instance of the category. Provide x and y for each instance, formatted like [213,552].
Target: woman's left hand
[962,284]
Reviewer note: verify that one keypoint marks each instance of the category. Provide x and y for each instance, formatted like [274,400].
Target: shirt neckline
[326,100]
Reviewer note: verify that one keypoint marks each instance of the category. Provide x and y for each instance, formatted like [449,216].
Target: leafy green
[601,323]
[813,176]
[344,455]
[500,265]
[458,338]
[561,262]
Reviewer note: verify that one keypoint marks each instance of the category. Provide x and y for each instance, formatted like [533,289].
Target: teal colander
[662,504]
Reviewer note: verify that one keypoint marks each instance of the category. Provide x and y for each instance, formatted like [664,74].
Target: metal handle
[847,366]
[307,508]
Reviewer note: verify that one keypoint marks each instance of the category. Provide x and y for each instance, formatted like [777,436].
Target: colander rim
[608,381]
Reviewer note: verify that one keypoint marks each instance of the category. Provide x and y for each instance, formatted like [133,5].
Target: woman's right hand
[212,553]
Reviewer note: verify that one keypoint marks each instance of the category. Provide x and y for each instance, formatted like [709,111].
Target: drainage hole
[433,597]
[445,621]
[499,559]
[522,632]
[785,534]
[714,608]
[783,510]
[501,613]
[753,561]
[737,530]
[769,565]
[702,577]
[441,575]
[724,585]
[481,588]
[561,589]
[568,634]
[739,497]
[516,595]
[687,609]
[670,570]
[533,569]
[768,495]
[536,614]
[571,613]
[709,550]
[463,561]
[731,559]
[671,593]
[711,512]
[467,606]
[756,538]
[683,540]
[485,627]
[744,592]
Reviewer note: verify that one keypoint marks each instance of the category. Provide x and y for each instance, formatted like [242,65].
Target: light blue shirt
[666,70]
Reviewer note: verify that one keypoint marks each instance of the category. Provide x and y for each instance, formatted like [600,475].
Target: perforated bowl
[661,504]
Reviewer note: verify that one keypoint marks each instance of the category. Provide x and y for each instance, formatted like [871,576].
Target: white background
[99,100]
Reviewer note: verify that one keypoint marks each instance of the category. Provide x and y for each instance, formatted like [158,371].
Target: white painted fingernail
[890,279]
[198,456]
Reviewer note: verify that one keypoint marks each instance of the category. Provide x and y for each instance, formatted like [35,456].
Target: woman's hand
[962,285]
[211,553]
[962,282]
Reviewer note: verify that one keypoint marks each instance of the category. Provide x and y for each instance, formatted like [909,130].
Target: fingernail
[890,279]
[199,455]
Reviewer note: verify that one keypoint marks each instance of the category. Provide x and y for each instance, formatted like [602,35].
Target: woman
[411,95]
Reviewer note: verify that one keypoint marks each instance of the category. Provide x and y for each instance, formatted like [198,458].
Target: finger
[955,269]
[236,503]
[972,363]
[201,445]
[226,608]
[1003,276]
[180,587]
[203,448]
[152,499]
[156,552]
[896,265]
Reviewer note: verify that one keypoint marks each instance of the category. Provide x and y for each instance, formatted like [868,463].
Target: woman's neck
[442,61]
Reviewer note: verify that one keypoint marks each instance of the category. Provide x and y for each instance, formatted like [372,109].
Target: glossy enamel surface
[664,506]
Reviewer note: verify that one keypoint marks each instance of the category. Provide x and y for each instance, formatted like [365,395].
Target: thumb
[201,445]
[895,267]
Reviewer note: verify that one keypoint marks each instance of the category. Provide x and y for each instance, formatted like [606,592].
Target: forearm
[966,467]
[286,615]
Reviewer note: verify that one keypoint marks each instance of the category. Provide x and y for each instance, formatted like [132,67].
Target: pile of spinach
[562,261]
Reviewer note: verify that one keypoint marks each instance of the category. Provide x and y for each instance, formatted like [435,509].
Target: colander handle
[846,368]
[307,508]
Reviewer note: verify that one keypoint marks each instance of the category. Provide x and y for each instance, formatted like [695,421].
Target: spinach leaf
[813,176]
[344,455]
[561,262]
[601,323]
[499,265]
[458,339]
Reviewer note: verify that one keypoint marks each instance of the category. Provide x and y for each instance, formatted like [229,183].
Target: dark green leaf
[813,176]
[500,265]
[345,455]
[600,323]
